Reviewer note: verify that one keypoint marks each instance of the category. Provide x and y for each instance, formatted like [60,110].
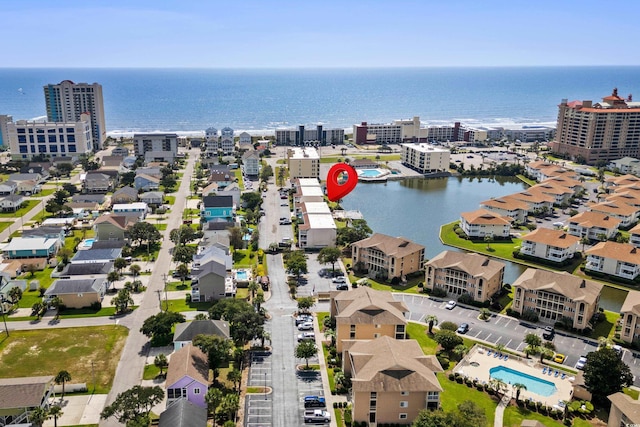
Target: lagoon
[416,208]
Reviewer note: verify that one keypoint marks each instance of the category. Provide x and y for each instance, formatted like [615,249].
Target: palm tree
[213,399]
[253,287]
[113,277]
[497,384]
[161,362]
[55,411]
[519,387]
[460,350]
[235,376]
[135,270]
[38,416]
[432,320]
[485,313]
[56,302]
[61,378]
[487,240]
[547,350]
[584,241]
[258,300]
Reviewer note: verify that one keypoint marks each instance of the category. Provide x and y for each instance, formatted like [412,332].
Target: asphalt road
[133,358]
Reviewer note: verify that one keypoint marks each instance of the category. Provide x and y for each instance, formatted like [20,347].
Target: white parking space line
[507,344]
[499,319]
[487,338]
[476,335]
[498,339]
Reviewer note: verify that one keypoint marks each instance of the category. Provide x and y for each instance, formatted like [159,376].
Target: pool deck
[478,354]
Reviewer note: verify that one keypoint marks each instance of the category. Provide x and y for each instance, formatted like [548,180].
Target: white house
[552,245]
[128,208]
[482,222]
[616,259]
[593,225]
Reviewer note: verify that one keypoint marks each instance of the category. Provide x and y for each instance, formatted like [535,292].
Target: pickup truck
[317,416]
[314,402]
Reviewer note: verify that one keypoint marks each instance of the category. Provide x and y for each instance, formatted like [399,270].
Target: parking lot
[258,407]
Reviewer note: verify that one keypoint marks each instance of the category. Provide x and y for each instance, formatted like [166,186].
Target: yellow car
[559,358]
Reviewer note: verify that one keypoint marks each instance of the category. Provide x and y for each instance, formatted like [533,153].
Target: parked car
[342,287]
[304,318]
[450,305]
[559,358]
[548,333]
[582,361]
[463,329]
[306,336]
[339,279]
[317,416]
[314,402]
[306,326]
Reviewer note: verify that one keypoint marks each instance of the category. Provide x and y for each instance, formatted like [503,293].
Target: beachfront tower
[67,101]
[213,142]
[226,140]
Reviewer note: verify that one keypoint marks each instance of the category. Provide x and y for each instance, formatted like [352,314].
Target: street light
[166,302]
[4,316]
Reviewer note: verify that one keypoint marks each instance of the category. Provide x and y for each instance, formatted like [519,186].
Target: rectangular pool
[533,384]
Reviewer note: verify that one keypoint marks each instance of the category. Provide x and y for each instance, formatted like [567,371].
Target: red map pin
[337,186]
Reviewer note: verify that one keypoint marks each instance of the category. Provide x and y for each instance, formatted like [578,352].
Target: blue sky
[309,33]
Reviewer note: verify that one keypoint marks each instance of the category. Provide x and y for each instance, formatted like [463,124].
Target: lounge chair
[506,357]
[550,371]
[544,371]
[495,355]
[557,373]
[489,353]
[563,376]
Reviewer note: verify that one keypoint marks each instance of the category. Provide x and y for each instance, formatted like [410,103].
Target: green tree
[127,178]
[60,197]
[213,398]
[168,182]
[251,200]
[217,349]
[183,254]
[431,320]
[247,326]
[235,376]
[229,405]
[329,255]
[430,418]
[144,232]
[184,235]
[62,377]
[55,412]
[119,264]
[134,405]
[448,340]
[113,277]
[235,237]
[38,309]
[605,373]
[485,313]
[305,304]
[519,387]
[305,350]
[469,414]
[158,327]
[253,287]
[122,301]
[135,270]
[15,294]
[358,230]
[183,271]
[296,263]
[161,362]
[266,173]
[38,416]
[448,326]
[64,169]
[534,343]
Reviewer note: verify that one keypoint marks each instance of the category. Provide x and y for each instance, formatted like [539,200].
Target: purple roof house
[188,376]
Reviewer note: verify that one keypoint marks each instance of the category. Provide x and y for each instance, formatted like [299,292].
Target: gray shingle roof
[183,414]
[96,254]
[23,392]
[217,201]
[88,268]
[74,286]
[188,330]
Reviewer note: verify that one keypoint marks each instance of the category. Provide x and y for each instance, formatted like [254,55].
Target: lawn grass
[514,415]
[180,305]
[631,392]
[179,286]
[321,315]
[26,207]
[4,225]
[410,288]
[454,394]
[160,227]
[242,293]
[170,199]
[44,193]
[86,353]
[530,182]
[338,414]
[238,174]
[242,258]
[44,277]
[150,372]
[418,332]
[606,328]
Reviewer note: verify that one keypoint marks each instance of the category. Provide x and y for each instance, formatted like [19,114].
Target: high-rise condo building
[598,132]
[67,100]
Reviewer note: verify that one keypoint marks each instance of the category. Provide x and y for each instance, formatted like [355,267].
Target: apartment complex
[614,259]
[600,131]
[302,136]
[630,315]
[67,101]
[27,139]
[464,273]
[4,136]
[364,313]
[425,158]
[551,245]
[156,147]
[303,162]
[554,296]
[625,411]
[392,381]
[387,256]
[316,227]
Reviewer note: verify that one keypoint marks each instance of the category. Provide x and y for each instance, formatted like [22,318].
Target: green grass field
[84,352]
[4,225]
[179,305]
[454,394]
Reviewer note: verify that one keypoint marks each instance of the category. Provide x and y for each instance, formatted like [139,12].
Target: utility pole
[166,302]
[4,317]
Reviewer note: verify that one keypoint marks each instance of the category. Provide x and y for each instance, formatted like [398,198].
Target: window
[196,390]
[20,130]
[71,138]
[403,416]
[72,148]
[41,138]
[52,138]
[404,404]
[22,139]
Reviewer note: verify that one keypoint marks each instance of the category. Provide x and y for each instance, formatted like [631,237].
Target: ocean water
[188,100]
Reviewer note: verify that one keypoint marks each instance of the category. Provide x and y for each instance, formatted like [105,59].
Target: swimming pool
[370,173]
[533,384]
[87,243]
[241,275]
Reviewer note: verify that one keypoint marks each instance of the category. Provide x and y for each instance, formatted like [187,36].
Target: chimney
[583,284]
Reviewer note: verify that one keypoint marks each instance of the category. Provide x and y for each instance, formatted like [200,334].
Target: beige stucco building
[388,256]
[552,245]
[482,222]
[364,313]
[615,259]
[303,162]
[555,295]
[461,272]
[625,411]
[425,158]
[630,315]
[392,381]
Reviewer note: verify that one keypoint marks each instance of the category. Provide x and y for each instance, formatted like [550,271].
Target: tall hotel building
[302,136]
[603,131]
[425,158]
[67,101]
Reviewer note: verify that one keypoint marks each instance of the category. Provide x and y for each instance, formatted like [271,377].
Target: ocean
[261,100]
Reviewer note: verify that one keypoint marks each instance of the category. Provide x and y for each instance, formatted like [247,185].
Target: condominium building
[600,131]
[67,101]
[425,158]
[364,314]
[302,136]
[156,147]
[464,273]
[630,316]
[303,162]
[625,410]
[482,222]
[27,139]
[387,256]
[4,135]
[212,143]
[227,145]
[551,245]
[614,259]
[554,296]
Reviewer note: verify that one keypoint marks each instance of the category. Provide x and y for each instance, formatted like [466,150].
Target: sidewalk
[329,398]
